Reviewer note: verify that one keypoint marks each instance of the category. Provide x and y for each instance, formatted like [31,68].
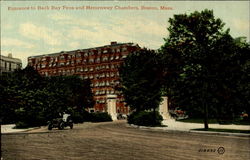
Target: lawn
[214,121]
[223,130]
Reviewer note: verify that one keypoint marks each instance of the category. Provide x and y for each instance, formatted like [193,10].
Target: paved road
[115,140]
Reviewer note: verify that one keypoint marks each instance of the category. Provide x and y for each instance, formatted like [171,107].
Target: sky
[44,27]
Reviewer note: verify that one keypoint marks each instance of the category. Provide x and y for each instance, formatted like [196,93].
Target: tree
[141,80]
[203,65]
[32,100]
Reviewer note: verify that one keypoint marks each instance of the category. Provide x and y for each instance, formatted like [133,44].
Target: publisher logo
[221,150]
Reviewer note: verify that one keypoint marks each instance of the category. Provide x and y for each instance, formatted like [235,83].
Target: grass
[223,130]
[213,121]
[196,120]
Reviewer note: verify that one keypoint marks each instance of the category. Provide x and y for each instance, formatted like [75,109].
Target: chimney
[10,55]
[113,43]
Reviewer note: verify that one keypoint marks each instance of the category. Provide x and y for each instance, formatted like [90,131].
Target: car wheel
[61,126]
[50,127]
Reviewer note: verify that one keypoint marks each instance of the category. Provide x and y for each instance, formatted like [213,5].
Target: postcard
[92,39]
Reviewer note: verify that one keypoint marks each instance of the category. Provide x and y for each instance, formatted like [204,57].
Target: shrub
[77,117]
[20,125]
[131,117]
[80,117]
[144,118]
[100,117]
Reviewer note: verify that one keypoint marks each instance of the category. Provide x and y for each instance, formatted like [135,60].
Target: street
[116,140]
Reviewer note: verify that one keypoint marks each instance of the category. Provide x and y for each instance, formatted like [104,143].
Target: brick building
[99,64]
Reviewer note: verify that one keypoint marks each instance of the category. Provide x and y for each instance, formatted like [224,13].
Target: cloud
[32,31]
[95,31]
[74,44]
[241,24]
[7,26]
[59,17]
[15,43]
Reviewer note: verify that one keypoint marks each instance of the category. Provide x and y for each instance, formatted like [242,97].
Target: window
[61,57]
[97,76]
[78,61]
[97,60]
[78,55]
[86,54]
[85,77]
[104,59]
[61,64]
[102,75]
[96,84]
[124,56]
[107,83]
[99,52]
[91,60]
[124,49]
[44,59]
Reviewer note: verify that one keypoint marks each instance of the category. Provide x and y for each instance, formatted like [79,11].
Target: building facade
[9,64]
[99,64]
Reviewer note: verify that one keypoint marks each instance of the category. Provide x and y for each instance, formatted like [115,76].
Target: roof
[73,51]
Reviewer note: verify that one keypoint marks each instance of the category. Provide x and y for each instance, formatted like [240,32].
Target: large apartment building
[9,64]
[99,64]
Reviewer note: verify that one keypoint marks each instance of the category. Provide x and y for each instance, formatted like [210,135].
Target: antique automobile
[60,123]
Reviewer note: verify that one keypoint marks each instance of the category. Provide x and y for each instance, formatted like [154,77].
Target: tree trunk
[205,116]
[154,117]
[204,99]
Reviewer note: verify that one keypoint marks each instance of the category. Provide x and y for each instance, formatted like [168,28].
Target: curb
[165,129]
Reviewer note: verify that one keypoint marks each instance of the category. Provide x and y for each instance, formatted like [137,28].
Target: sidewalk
[172,126]
[9,128]
[184,126]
